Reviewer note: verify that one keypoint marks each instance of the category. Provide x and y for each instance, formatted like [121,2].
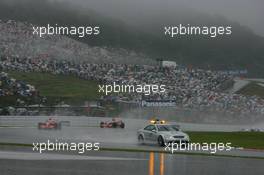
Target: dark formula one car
[49,124]
[114,123]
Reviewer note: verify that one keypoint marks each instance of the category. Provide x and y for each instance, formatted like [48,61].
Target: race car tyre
[161,141]
[101,124]
[39,126]
[186,145]
[140,139]
[114,125]
[122,125]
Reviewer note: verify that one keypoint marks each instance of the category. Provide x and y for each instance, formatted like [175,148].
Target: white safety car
[158,131]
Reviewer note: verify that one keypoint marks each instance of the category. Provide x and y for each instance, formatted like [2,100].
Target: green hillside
[252,89]
[56,88]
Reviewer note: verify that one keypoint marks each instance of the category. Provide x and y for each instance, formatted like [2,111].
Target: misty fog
[247,12]
[137,12]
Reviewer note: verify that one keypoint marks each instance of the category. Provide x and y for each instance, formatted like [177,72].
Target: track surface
[85,129]
[25,162]
[125,163]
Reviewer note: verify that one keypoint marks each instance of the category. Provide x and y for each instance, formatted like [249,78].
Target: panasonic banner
[158,103]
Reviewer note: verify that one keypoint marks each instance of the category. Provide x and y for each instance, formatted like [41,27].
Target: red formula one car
[49,124]
[114,123]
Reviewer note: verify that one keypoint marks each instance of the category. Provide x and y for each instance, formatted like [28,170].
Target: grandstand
[189,88]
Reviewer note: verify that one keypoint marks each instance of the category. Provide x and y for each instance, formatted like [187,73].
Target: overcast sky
[246,12]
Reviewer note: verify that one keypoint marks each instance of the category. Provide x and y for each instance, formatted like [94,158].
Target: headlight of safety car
[167,136]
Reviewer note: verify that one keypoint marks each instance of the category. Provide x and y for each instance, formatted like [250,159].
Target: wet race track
[120,163]
[21,129]
[17,160]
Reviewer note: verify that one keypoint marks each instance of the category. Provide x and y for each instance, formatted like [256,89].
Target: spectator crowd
[10,86]
[16,38]
[189,88]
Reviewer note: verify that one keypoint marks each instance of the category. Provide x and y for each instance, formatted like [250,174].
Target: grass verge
[69,89]
[252,140]
[253,88]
